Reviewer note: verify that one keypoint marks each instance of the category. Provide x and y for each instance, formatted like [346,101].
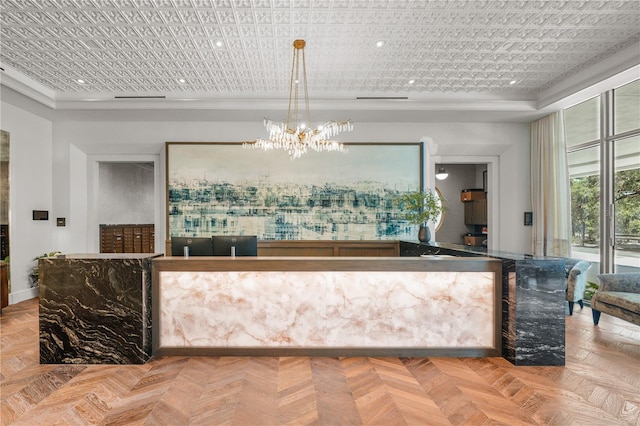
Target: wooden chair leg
[596,316]
[570,308]
[581,304]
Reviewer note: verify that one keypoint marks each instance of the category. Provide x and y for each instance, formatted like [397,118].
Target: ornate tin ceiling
[242,48]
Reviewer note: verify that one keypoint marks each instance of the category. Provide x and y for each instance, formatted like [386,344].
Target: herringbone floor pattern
[600,385]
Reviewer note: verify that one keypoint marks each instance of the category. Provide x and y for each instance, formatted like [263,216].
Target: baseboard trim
[21,296]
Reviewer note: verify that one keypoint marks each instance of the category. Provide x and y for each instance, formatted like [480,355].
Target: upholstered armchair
[618,295]
[577,283]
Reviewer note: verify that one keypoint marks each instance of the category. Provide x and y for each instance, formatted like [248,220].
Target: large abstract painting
[223,189]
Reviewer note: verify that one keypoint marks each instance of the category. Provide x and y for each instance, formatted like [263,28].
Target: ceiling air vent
[139,97]
[393,98]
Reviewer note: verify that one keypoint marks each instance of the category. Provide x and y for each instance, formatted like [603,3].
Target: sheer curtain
[550,191]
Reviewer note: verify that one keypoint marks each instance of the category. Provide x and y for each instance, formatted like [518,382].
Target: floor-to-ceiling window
[603,152]
[625,188]
[582,129]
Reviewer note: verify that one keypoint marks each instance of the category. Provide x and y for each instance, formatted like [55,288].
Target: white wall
[125,139]
[504,147]
[125,193]
[515,198]
[30,189]
[55,161]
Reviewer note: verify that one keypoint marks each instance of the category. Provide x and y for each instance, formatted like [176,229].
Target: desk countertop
[88,256]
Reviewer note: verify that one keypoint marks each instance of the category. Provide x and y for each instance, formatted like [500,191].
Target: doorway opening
[459,219]
[125,207]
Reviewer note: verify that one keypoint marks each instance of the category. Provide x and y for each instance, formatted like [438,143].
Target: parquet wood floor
[600,385]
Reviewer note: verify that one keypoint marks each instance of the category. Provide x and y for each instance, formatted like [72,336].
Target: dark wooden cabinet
[4,285]
[472,194]
[4,241]
[127,239]
[475,212]
[475,206]
[474,240]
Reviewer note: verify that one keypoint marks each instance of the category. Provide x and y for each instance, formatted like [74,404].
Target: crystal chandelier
[294,136]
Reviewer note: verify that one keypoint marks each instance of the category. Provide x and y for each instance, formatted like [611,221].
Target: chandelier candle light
[293,136]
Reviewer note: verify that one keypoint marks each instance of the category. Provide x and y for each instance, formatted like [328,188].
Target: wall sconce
[442,173]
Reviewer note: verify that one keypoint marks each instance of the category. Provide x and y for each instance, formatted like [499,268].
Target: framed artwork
[224,189]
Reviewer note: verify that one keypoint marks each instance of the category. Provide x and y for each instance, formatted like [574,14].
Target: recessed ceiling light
[218,43]
[80,81]
[182,81]
[411,81]
[512,82]
[379,43]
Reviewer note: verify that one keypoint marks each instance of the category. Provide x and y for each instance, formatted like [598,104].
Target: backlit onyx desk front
[281,306]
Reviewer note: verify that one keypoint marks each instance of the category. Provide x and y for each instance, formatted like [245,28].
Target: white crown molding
[27,86]
[236,104]
[619,68]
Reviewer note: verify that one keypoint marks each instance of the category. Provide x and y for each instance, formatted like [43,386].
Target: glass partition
[626,201]
[584,172]
[604,172]
[626,107]
[582,122]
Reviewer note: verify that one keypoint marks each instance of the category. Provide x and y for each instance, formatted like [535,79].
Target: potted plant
[418,208]
[589,292]
[35,272]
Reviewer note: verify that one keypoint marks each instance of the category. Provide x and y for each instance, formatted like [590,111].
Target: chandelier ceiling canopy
[295,136]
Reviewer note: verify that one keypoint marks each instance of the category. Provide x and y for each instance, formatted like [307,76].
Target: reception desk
[318,306]
[533,301]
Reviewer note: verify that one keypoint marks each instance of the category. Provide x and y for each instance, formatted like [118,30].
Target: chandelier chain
[293,136]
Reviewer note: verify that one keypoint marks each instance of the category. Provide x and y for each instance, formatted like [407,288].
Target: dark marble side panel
[540,334]
[509,303]
[416,249]
[95,311]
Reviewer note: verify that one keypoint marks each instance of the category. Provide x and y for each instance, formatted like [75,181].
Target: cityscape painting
[224,189]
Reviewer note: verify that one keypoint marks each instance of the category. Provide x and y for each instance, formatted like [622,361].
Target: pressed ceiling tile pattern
[447,47]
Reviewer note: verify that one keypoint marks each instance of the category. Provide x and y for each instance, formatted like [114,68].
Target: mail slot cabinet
[127,239]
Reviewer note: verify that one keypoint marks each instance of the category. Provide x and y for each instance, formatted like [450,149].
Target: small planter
[424,234]
[34,279]
[35,273]
[418,208]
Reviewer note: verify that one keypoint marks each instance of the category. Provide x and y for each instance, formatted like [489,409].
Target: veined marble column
[95,309]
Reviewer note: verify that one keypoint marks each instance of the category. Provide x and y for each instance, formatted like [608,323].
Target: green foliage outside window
[590,290]
[627,200]
[585,210]
[585,207]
